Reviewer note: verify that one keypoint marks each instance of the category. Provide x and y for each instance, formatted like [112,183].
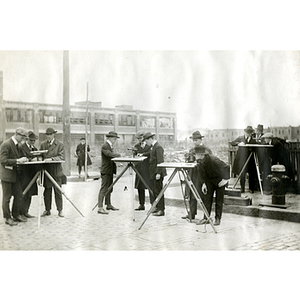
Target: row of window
[26,116]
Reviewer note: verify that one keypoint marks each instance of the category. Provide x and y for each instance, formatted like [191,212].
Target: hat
[83,138]
[196,135]
[50,130]
[201,149]
[140,134]
[21,131]
[268,135]
[260,127]
[32,136]
[112,134]
[148,135]
[249,129]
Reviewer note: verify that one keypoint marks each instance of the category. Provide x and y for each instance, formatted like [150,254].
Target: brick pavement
[117,231]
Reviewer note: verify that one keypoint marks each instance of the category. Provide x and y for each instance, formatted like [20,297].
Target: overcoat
[80,152]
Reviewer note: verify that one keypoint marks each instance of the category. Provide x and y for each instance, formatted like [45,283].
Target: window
[147,122]
[51,117]
[18,115]
[104,119]
[165,122]
[127,120]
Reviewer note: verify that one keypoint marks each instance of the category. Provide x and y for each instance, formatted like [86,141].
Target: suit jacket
[56,151]
[27,172]
[108,167]
[156,157]
[142,167]
[9,153]
[212,169]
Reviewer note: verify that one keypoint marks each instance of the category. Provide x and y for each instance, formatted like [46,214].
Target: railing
[294,158]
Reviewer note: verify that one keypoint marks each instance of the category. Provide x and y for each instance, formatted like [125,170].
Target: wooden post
[66,114]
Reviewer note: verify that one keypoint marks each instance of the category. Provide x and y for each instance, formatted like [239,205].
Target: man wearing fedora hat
[143,168]
[241,158]
[108,169]
[197,138]
[259,133]
[55,152]
[156,156]
[11,156]
[28,173]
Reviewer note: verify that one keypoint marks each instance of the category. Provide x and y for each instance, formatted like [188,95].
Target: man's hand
[204,188]
[157,176]
[48,159]
[22,160]
[223,182]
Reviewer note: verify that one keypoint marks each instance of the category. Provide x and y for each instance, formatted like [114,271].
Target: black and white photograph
[155,154]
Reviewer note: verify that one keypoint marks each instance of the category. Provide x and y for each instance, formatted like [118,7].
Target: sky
[206,89]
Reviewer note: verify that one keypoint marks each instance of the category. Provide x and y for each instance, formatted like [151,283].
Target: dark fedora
[249,129]
[21,131]
[196,135]
[83,138]
[32,136]
[148,135]
[50,130]
[201,149]
[112,134]
[260,127]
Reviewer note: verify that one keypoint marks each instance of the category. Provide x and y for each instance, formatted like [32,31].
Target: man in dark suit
[108,169]
[27,173]
[215,175]
[143,168]
[10,157]
[156,174]
[56,152]
[241,158]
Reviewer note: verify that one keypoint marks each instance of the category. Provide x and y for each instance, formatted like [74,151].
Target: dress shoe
[110,207]
[20,218]
[141,207]
[187,217]
[202,222]
[217,222]
[28,216]
[102,211]
[60,214]
[155,210]
[159,213]
[11,222]
[46,213]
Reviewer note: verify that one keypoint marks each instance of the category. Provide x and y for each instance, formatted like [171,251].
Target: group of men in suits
[153,175]
[266,157]
[15,176]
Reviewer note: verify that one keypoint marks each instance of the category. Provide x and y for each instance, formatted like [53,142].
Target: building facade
[123,119]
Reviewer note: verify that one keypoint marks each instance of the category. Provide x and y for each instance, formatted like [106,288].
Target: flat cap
[21,131]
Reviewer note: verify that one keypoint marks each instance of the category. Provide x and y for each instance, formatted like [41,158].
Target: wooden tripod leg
[58,187]
[242,169]
[159,196]
[258,173]
[198,198]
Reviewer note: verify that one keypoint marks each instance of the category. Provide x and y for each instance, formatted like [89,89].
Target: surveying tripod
[183,168]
